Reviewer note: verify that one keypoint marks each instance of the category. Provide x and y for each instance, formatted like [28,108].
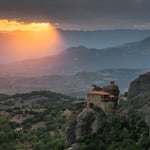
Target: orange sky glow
[30,40]
[6,25]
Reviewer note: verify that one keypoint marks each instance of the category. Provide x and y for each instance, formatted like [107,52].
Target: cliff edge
[139,95]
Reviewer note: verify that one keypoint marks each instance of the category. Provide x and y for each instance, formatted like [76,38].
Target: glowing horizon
[29,40]
[6,25]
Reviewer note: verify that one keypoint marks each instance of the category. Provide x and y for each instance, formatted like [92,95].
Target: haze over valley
[74,70]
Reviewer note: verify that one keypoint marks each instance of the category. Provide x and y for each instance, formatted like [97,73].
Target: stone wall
[107,106]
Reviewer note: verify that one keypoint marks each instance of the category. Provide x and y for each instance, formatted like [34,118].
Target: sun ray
[30,40]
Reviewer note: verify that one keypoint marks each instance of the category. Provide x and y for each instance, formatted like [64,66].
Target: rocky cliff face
[112,88]
[139,91]
[70,130]
[139,95]
[86,123]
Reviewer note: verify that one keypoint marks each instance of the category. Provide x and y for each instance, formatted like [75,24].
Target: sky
[80,14]
[37,22]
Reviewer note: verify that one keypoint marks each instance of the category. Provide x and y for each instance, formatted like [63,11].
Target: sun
[31,40]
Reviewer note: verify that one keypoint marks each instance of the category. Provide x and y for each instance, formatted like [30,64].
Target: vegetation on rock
[119,134]
[41,124]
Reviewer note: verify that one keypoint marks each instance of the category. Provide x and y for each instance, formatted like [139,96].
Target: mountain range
[102,38]
[81,59]
[75,69]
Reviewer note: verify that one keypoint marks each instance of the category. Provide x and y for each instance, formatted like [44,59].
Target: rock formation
[139,95]
[92,118]
[70,130]
[85,124]
[112,89]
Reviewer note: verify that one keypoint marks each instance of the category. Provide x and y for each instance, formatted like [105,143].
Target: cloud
[6,25]
[80,13]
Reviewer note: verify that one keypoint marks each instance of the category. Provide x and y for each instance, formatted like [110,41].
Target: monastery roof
[98,93]
[102,93]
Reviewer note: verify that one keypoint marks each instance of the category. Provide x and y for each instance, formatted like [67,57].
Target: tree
[96,88]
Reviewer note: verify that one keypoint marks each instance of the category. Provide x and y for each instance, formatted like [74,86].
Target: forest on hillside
[41,126]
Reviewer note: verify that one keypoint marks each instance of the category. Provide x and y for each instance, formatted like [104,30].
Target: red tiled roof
[98,93]
[103,93]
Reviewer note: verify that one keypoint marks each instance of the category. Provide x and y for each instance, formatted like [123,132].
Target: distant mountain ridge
[97,39]
[78,59]
[74,85]
[74,70]
[102,38]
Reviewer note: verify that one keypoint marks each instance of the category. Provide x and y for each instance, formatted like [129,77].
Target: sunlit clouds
[6,25]
[29,40]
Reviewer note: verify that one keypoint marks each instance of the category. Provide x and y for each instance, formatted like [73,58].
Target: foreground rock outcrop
[85,124]
[139,95]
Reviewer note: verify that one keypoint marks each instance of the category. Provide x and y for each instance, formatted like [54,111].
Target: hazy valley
[75,69]
[76,85]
